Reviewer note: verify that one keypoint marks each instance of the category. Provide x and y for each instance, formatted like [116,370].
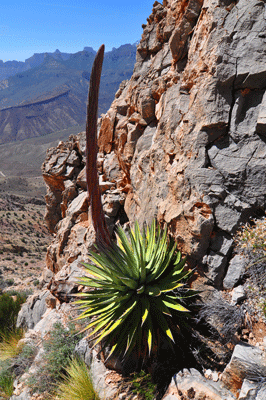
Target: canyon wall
[184,140]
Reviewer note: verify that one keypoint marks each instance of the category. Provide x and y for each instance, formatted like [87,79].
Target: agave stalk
[94,194]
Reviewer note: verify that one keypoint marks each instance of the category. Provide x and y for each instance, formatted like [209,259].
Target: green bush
[138,280]
[59,348]
[10,282]
[9,309]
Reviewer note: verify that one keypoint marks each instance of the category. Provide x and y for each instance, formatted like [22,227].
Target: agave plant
[134,293]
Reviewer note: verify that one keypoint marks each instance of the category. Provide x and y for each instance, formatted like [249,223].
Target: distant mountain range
[48,92]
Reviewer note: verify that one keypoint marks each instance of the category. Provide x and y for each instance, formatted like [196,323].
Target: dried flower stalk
[94,194]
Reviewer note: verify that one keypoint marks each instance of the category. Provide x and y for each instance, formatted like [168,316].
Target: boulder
[191,384]
[247,362]
[32,311]
[236,269]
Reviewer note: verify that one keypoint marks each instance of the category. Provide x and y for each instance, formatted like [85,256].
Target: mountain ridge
[52,95]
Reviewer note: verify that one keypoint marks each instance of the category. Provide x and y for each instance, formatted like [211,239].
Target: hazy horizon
[31,27]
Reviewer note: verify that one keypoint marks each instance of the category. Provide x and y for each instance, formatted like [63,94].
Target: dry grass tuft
[9,345]
[77,384]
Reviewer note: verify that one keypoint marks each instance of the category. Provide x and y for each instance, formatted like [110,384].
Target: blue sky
[32,26]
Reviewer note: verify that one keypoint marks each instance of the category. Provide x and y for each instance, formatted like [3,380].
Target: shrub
[59,348]
[76,384]
[9,309]
[252,237]
[251,240]
[10,282]
[24,359]
[137,280]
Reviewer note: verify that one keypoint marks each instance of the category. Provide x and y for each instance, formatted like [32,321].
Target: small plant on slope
[135,297]
[143,386]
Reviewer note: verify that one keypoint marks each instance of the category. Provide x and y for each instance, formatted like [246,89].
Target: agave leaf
[93,301]
[135,250]
[185,275]
[119,347]
[113,349]
[98,309]
[141,289]
[180,264]
[85,281]
[99,272]
[189,293]
[162,323]
[115,257]
[149,331]
[178,257]
[128,252]
[117,311]
[98,319]
[122,260]
[96,294]
[161,307]
[164,265]
[129,282]
[135,338]
[148,233]
[140,245]
[131,337]
[177,273]
[151,234]
[157,258]
[138,235]
[101,285]
[115,325]
[134,329]
[101,323]
[145,306]
[170,285]
[103,260]
[152,290]
[174,305]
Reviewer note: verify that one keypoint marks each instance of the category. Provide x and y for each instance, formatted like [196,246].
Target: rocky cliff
[184,139]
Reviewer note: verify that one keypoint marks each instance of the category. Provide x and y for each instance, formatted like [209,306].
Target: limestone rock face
[184,139]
